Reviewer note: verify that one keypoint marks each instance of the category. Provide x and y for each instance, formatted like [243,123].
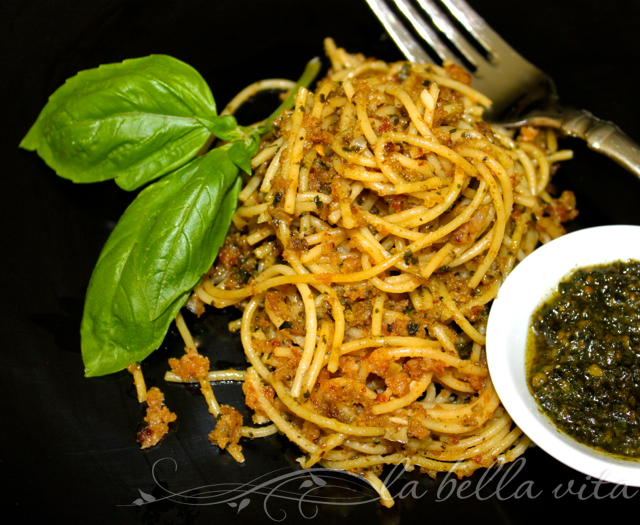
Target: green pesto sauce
[583,357]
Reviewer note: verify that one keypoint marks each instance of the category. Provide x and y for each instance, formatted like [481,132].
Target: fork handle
[604,137]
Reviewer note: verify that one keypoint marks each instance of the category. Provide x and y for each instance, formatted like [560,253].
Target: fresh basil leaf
[224,127]
[163,244]
[242,151]
[133,121]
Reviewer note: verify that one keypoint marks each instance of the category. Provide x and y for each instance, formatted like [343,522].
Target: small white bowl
[531,282]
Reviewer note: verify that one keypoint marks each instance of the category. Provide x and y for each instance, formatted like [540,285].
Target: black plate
[67,446]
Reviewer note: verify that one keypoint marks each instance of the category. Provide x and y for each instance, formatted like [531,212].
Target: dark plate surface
[67,445]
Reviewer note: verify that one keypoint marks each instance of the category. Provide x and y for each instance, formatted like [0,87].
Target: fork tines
[440,30]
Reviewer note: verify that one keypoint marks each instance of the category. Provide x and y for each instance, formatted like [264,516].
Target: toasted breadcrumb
[228,432]
[528,133]
[157,419]
[195,305]
[191,364]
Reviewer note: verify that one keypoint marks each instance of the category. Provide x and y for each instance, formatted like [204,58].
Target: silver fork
[522,94]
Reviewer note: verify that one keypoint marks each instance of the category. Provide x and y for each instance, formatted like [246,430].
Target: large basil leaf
[163,244]
[133,121]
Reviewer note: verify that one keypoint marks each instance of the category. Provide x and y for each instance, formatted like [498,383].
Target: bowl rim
[531,282]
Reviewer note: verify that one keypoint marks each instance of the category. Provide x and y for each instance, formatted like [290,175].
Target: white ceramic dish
[532,281]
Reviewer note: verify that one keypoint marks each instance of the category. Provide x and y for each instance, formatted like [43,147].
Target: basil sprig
[134,122]
[162,245]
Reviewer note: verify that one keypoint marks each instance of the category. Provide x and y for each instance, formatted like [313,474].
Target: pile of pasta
[380,219]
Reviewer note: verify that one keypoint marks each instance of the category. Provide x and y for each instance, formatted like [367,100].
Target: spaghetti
[380,219]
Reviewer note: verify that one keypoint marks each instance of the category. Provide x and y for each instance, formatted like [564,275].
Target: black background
[67,445]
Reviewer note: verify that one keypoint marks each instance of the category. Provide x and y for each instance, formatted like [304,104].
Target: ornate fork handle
[604,137]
